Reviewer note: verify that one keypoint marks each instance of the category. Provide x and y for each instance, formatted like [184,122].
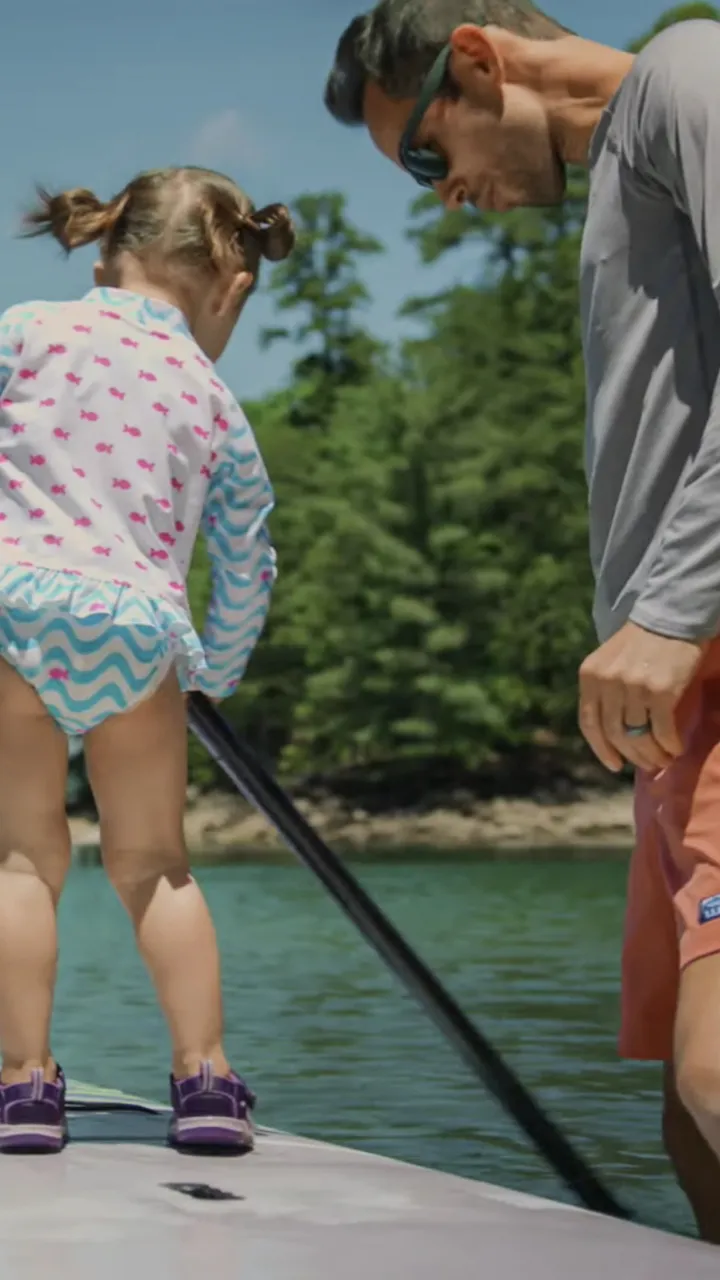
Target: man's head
[451,90]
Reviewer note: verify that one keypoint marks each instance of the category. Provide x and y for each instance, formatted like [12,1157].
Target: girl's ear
[99,274]
[231,299]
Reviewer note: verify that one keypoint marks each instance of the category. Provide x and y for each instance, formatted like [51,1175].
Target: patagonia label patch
[709,909]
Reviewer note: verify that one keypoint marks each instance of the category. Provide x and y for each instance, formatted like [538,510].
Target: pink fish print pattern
[130,443]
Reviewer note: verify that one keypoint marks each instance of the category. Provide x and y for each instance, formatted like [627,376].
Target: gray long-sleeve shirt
[650,300]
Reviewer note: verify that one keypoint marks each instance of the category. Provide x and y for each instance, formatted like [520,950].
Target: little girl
[117,442]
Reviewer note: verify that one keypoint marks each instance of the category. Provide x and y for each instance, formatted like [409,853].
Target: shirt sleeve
[678,147]
[10,345]
[239,501]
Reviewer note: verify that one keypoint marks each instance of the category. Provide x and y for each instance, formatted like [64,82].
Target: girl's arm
[10,343]
[239,501]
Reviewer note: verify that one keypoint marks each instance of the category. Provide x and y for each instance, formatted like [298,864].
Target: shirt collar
[151,313]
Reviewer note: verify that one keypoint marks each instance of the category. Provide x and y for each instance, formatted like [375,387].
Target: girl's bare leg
[34,860]
[137,766]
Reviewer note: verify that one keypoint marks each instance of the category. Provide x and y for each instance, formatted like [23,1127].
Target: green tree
[682,13]
[321,289]
[501,362]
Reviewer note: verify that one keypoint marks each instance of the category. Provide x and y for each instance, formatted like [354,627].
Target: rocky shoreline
[221,826]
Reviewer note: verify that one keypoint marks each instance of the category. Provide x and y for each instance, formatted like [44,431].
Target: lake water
[336,1050]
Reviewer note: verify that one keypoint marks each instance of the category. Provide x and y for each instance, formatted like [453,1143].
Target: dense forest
[433,602]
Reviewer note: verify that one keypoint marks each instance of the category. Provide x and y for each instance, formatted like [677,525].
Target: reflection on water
[337,1051]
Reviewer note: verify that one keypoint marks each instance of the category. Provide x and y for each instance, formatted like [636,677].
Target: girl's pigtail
[74,218]
[273,229]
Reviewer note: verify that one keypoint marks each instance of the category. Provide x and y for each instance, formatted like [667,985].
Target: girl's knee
[130,869]
[49,864]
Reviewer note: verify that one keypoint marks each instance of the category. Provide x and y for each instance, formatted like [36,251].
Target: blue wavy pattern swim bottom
[88,651]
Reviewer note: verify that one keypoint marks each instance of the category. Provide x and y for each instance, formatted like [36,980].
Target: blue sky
[93,93]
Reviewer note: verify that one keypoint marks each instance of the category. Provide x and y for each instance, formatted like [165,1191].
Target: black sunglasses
[424,165]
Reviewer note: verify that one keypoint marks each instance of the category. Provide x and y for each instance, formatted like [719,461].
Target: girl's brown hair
[188,218]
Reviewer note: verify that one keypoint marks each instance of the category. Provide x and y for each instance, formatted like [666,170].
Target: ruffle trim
[64,591]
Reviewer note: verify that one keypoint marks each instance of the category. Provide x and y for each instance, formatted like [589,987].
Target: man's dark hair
[397,42]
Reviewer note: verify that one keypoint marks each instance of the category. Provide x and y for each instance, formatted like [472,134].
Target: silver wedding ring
[637,730]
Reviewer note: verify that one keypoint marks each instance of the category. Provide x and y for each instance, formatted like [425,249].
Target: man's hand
[636,678]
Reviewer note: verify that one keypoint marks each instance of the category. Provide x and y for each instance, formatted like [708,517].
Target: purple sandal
[211,1111]
[32,1116]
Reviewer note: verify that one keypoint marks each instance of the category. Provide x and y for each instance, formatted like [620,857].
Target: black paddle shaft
[249,776]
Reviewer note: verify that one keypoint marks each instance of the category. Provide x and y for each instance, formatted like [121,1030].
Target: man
[488,101]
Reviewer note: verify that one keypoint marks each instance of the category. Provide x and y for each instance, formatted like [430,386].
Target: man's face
[493,135]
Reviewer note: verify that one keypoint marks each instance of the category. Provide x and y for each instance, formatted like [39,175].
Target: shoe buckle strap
[37,1084]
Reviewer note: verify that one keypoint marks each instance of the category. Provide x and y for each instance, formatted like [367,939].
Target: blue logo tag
[709,909]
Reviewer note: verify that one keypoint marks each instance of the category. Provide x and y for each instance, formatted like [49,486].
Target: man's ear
[476,64]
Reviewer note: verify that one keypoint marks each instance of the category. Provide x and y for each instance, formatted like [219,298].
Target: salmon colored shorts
[673,911]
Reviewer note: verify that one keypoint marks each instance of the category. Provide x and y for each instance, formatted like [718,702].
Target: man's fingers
[636,709]
[641,750]
[664,727]
[622,708]
[608,708]
[646,754]
[635,680]
[592,727]
[611,702]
